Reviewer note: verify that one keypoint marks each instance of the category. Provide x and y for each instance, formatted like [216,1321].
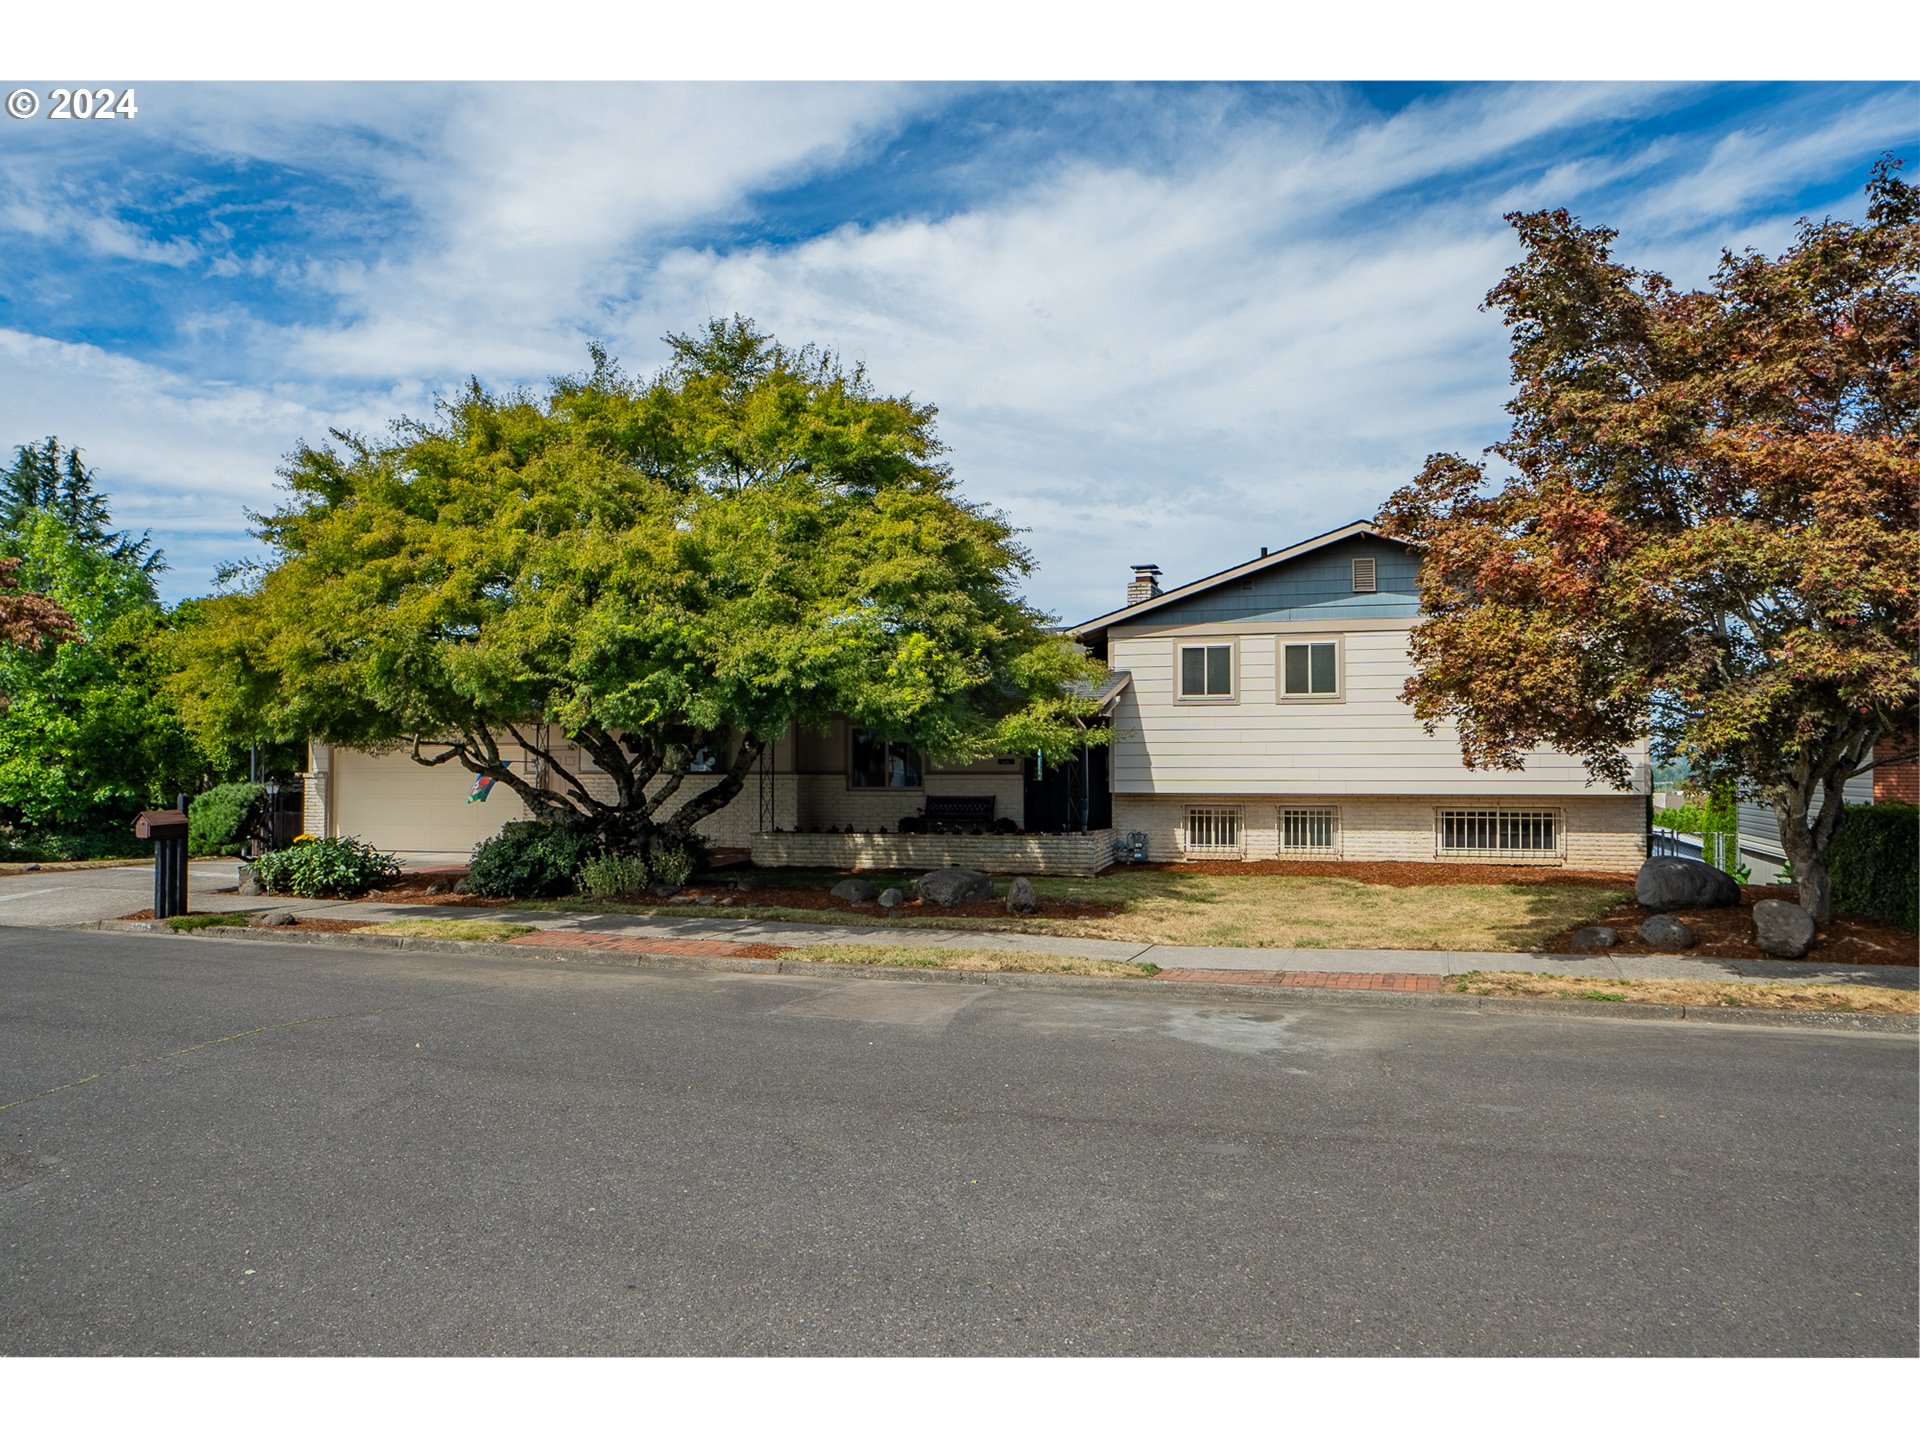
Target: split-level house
[1262,719]
[1255,714]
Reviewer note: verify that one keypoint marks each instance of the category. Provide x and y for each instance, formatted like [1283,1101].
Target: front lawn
[1175,907]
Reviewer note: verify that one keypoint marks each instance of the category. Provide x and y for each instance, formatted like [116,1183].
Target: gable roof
[1354,530]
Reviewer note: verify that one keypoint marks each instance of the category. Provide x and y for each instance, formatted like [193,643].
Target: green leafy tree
[50,476]
[1709,533]
[87,734]
[753,538]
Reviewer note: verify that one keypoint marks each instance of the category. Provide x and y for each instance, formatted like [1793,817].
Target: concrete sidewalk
[721,929]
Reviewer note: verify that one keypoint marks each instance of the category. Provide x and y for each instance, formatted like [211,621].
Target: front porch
[1081,853]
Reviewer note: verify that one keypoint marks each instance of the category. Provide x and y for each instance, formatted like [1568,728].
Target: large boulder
[1663,932]
[855,891]
[1667,882]
[1021,897]
[1595,937]
[955,886]
[269,919]
[1782,929]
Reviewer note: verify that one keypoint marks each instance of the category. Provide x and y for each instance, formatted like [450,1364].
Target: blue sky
[1166,323]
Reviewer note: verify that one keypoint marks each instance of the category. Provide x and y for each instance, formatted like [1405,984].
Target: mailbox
[168,831]
[160,825]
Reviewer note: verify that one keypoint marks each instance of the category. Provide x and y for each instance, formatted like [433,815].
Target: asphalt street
[240,1147]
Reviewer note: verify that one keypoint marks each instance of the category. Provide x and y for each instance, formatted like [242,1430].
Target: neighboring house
[1889,780]
[1264,720]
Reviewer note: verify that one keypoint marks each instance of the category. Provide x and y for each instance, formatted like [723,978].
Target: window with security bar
[1213,831]
[1499,832]
[1309,830]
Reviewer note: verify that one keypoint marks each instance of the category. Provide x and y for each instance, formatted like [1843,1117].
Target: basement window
[1213,832]
[1309,830]
[1494,834]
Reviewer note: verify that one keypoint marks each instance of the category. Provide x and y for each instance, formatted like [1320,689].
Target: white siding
[1365,743]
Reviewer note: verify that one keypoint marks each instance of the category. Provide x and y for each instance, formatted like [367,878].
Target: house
[1262,719]
[1255,714]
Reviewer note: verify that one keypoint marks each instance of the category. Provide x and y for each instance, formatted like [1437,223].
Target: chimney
[1145,584]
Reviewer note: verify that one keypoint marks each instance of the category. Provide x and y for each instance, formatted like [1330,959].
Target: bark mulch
[1727,933]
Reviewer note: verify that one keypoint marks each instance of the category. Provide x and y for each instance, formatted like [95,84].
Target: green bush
[342,867]
[674,864]
[113,841]
[219,819]
[528,860]
[1875,863]
[605,876]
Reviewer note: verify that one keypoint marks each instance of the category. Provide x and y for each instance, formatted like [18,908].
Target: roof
[1351,531]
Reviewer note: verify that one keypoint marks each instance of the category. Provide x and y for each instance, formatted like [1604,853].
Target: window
[1206,672]
[1309,830]
[1498,832]
[1363,576]
[1310,670]
[1213,830]
[883,764]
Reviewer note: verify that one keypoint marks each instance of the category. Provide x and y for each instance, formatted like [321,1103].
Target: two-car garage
[396,803]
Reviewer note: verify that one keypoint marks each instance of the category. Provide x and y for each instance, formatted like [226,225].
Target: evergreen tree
[50,476]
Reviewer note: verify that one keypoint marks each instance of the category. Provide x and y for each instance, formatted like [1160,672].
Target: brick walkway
[640,945]
[1313,979]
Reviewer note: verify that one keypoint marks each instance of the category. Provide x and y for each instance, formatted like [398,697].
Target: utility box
[168,831]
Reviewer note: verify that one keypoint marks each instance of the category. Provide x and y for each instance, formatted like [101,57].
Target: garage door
[394,803]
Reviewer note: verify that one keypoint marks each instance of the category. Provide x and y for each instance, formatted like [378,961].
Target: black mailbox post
[168,831]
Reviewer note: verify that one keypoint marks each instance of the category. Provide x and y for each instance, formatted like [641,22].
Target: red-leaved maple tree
[27,620]
[1709,535]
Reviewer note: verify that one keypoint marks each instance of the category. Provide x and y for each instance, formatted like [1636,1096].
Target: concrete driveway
[79,897]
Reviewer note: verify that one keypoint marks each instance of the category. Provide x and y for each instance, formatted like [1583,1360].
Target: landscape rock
[891,897]
[855,891]
[249,882]
[267,919]
[1021,899]
[955,886]
[442,886]
[28,869]
[1667,882]
[1663,932]
[1782,929]
[1595,937]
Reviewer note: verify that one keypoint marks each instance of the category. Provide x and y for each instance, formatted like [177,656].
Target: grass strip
[997,962]
[1732,995]
[451,929]
[206,922]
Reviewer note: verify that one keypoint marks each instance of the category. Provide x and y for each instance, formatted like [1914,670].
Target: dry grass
[997,962]
[451,929]
[1747,995]
[1262,911]
[1301,912]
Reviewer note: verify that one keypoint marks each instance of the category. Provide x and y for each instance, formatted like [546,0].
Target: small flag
[481,785]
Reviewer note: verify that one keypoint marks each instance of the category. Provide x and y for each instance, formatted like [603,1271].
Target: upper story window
[883,764]
[1310,670]
[1206,672]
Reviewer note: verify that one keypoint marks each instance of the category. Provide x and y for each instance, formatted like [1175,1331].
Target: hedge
[217,819]
[1875,863]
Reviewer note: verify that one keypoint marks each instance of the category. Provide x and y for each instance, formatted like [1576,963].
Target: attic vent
[1363,575]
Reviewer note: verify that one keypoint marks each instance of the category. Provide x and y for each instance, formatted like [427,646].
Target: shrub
[1874,865]
[674,864]
[218,820]
[342,867]
[605,876]
[112,841]
[529,860]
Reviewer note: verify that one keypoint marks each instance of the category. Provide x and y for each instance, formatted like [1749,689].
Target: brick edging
[1234,991]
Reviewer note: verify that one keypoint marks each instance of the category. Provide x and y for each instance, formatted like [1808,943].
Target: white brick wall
[1601,833]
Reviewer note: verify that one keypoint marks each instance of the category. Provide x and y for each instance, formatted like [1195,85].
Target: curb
[1824,1020]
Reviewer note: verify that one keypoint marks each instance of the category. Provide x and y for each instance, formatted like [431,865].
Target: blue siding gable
[1318,586]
